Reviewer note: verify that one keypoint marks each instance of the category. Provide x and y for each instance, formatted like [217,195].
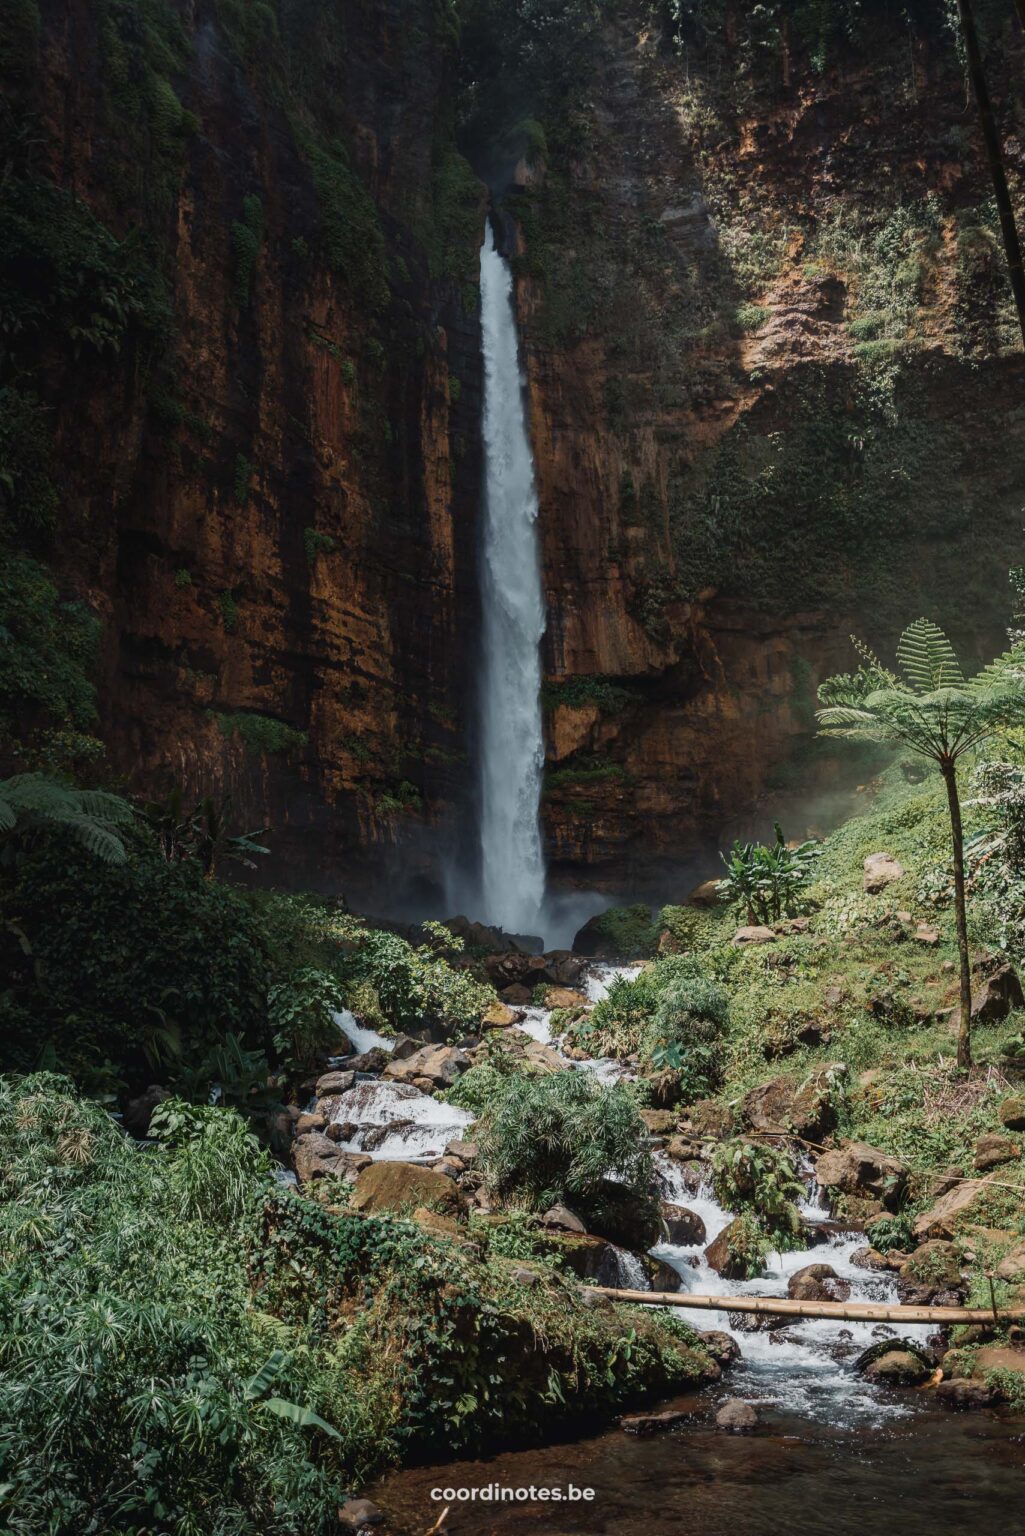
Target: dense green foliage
[563,1137]
[768,880]
[184,1349]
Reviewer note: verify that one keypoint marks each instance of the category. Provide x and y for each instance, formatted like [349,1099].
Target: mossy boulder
[404,1187]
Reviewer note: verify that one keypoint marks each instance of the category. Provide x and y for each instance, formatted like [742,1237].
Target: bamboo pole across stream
[849,1311]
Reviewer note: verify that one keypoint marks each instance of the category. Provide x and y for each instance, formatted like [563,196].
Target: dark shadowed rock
[684,1228]
[997,996]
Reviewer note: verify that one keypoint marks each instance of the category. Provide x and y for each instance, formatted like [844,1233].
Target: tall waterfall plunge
[513,621]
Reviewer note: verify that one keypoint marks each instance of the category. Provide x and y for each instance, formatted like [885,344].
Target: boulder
[682,1148]
[316,1121]
[333,1083]
[658,1122]
[935,1264]
[928,934]
[517,994]
[565,997]
[963,1392]
[359,1514]
[705,895]
[722,1347]
[737,1416]
[871,1258]
[707,1118]
[562,1218]
[373,1061]
[817,1282]
[684,1228]
[316,1156]
[992,1151]
[719,1257]
[897,1368]
[880,870]
[1012,1266]
[440,1065]
[754,933]
[466,1151]
[500,1016]
[404,1186]
[619,1215]
[440,1226]
[863,1171]
[1012,1114]
[804,1109]
[997,996]
[943,1218]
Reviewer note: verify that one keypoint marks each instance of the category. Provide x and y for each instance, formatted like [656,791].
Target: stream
[830,1450]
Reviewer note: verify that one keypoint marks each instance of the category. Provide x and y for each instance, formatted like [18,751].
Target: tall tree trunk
[964,1037]
[1009,229]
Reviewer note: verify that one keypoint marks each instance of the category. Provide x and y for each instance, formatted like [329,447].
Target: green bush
[136,968]
[759,1180]
[563,1137]
[412,983]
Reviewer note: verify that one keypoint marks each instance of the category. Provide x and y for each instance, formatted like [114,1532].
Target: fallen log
[844,1311]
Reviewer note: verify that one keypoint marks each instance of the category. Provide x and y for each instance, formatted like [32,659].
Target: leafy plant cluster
[758,1180]
[769,881]
[672,1017]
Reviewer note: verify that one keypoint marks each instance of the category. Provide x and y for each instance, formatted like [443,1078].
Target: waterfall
[513,621]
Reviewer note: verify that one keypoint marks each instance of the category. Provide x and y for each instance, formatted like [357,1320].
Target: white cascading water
[513,622]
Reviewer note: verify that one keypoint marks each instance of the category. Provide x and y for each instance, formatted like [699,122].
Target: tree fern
[938,714]
[31,803]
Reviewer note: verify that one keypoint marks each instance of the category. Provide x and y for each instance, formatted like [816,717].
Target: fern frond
[8,815]
[927,658]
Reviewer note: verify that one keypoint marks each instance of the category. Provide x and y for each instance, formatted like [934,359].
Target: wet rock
[880,870]
[943,1218]
[654,1423]
[315,1156]
[1012,1113]
[341,1130]
[896,1368]
[805,1108]
[466,1151]
[871,1258]
[737,1416]
[719,1256]
[993,1151]
[682,1149]
[722,1347]
[997,996]
[757,1322]
[371,1062]
[451,1167]
[315,1121]
[661,1276]
[562,1218]
[817,1282]
[863,1171]
[404,1186]
[962,1392]
[440,1066]
[906,1364]
[405,1046]
[333,1083]
[684,1228]
[754,933]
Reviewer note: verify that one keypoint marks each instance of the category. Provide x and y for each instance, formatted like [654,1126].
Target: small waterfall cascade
[513,622]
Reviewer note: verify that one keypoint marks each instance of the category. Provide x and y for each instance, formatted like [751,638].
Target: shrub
[691,1016]
[413,983]
[769,880]
[561,1138]
[300,1010]
[759,1180]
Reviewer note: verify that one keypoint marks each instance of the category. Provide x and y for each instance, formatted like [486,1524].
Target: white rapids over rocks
[804,1367]
[360,1038]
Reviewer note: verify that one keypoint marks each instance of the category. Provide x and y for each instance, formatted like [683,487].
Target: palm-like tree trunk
[964,1038]
[991,137]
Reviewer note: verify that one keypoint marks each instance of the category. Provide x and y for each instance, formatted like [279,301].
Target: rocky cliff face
[271,503]
[777,389]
